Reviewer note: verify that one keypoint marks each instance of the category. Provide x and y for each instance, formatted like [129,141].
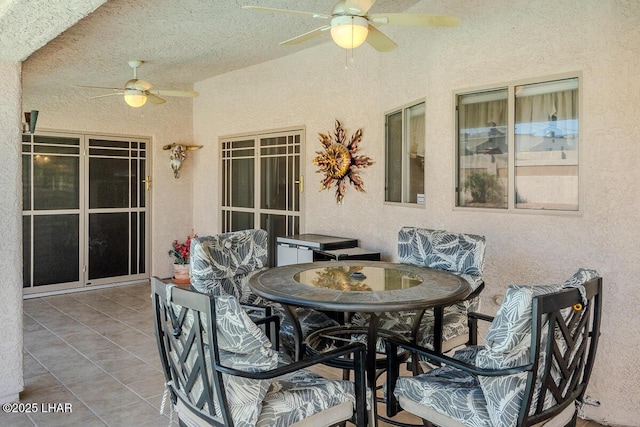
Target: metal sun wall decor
[179,155]
[338,162]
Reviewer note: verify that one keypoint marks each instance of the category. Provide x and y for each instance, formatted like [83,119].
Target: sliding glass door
[84,211]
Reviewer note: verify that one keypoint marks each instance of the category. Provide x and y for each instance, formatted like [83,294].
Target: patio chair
[534,367]
[224,264]
[221,370]
[442,328]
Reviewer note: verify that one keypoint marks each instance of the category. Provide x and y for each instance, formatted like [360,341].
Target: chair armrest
[393,344]
[480,316]
[476,291]
[357,349]
[472,320]
[393,367]
[359,354]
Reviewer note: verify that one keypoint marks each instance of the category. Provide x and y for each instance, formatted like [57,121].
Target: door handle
[300,183]
[147,182]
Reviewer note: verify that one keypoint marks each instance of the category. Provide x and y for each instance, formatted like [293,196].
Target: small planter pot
[181,274]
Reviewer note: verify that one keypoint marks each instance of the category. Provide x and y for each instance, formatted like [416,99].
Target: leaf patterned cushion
[488,401]
[225,260]
[454,324]
[461,254]
[242,346]
[310,321]
[507,345]
[225,263]
[579,278]
[301,394]
[449,391]
[512,322]
[456,252]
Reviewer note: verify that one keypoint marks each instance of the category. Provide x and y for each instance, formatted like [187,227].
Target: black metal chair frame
[584,320]
[181,378]
[438,325]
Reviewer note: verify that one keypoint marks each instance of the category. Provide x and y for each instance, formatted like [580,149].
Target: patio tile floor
[96,350]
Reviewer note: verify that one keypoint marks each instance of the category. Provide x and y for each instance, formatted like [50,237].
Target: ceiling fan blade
[109,94]
[306,36]
[98,87]
[155,99]
[415,20]
[358,7]
[379,41]
[289,12]
[138,85]
[185,93]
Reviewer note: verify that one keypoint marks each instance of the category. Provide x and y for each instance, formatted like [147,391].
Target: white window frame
[511,208]
[404,109]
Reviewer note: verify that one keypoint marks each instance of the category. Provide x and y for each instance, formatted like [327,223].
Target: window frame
[404,110]
[511,102]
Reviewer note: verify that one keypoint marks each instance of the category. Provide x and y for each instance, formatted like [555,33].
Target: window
[542,174]
[404,159]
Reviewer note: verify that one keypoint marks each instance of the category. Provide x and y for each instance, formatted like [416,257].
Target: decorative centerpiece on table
[181,253]
[342,279]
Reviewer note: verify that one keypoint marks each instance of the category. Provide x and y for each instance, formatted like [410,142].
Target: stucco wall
[71,110]
[499,41]
[11,382]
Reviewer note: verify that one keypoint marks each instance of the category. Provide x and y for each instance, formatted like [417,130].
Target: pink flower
[181,251]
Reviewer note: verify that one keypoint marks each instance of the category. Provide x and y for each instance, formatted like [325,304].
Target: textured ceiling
[181,42]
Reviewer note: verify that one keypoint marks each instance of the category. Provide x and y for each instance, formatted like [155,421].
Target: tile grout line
[84,356]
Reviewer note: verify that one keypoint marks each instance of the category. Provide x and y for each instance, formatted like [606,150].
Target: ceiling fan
[137,92]
[351,25]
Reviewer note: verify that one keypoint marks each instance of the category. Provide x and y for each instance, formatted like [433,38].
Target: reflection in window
[404,160]
[546,138]
[483,153]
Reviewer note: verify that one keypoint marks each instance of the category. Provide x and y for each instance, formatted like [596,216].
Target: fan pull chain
[346,53]
[346,58]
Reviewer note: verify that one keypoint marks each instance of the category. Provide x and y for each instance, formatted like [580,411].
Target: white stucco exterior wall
[11,382]
[499,41]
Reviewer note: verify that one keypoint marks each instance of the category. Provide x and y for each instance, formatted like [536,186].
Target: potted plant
[181,253]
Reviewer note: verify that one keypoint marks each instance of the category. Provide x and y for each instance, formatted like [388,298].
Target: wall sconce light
[31,118]
[349,32]
[135,98]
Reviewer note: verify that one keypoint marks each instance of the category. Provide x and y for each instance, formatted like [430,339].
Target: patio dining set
[237,346]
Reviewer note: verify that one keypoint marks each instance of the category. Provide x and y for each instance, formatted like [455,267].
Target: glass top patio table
[357,286]
[366,286]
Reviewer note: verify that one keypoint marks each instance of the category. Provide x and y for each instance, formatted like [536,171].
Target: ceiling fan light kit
[351,25]
[134,98]
[349,32]
[137,92]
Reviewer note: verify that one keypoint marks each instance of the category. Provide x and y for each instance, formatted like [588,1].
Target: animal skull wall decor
[179,155]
